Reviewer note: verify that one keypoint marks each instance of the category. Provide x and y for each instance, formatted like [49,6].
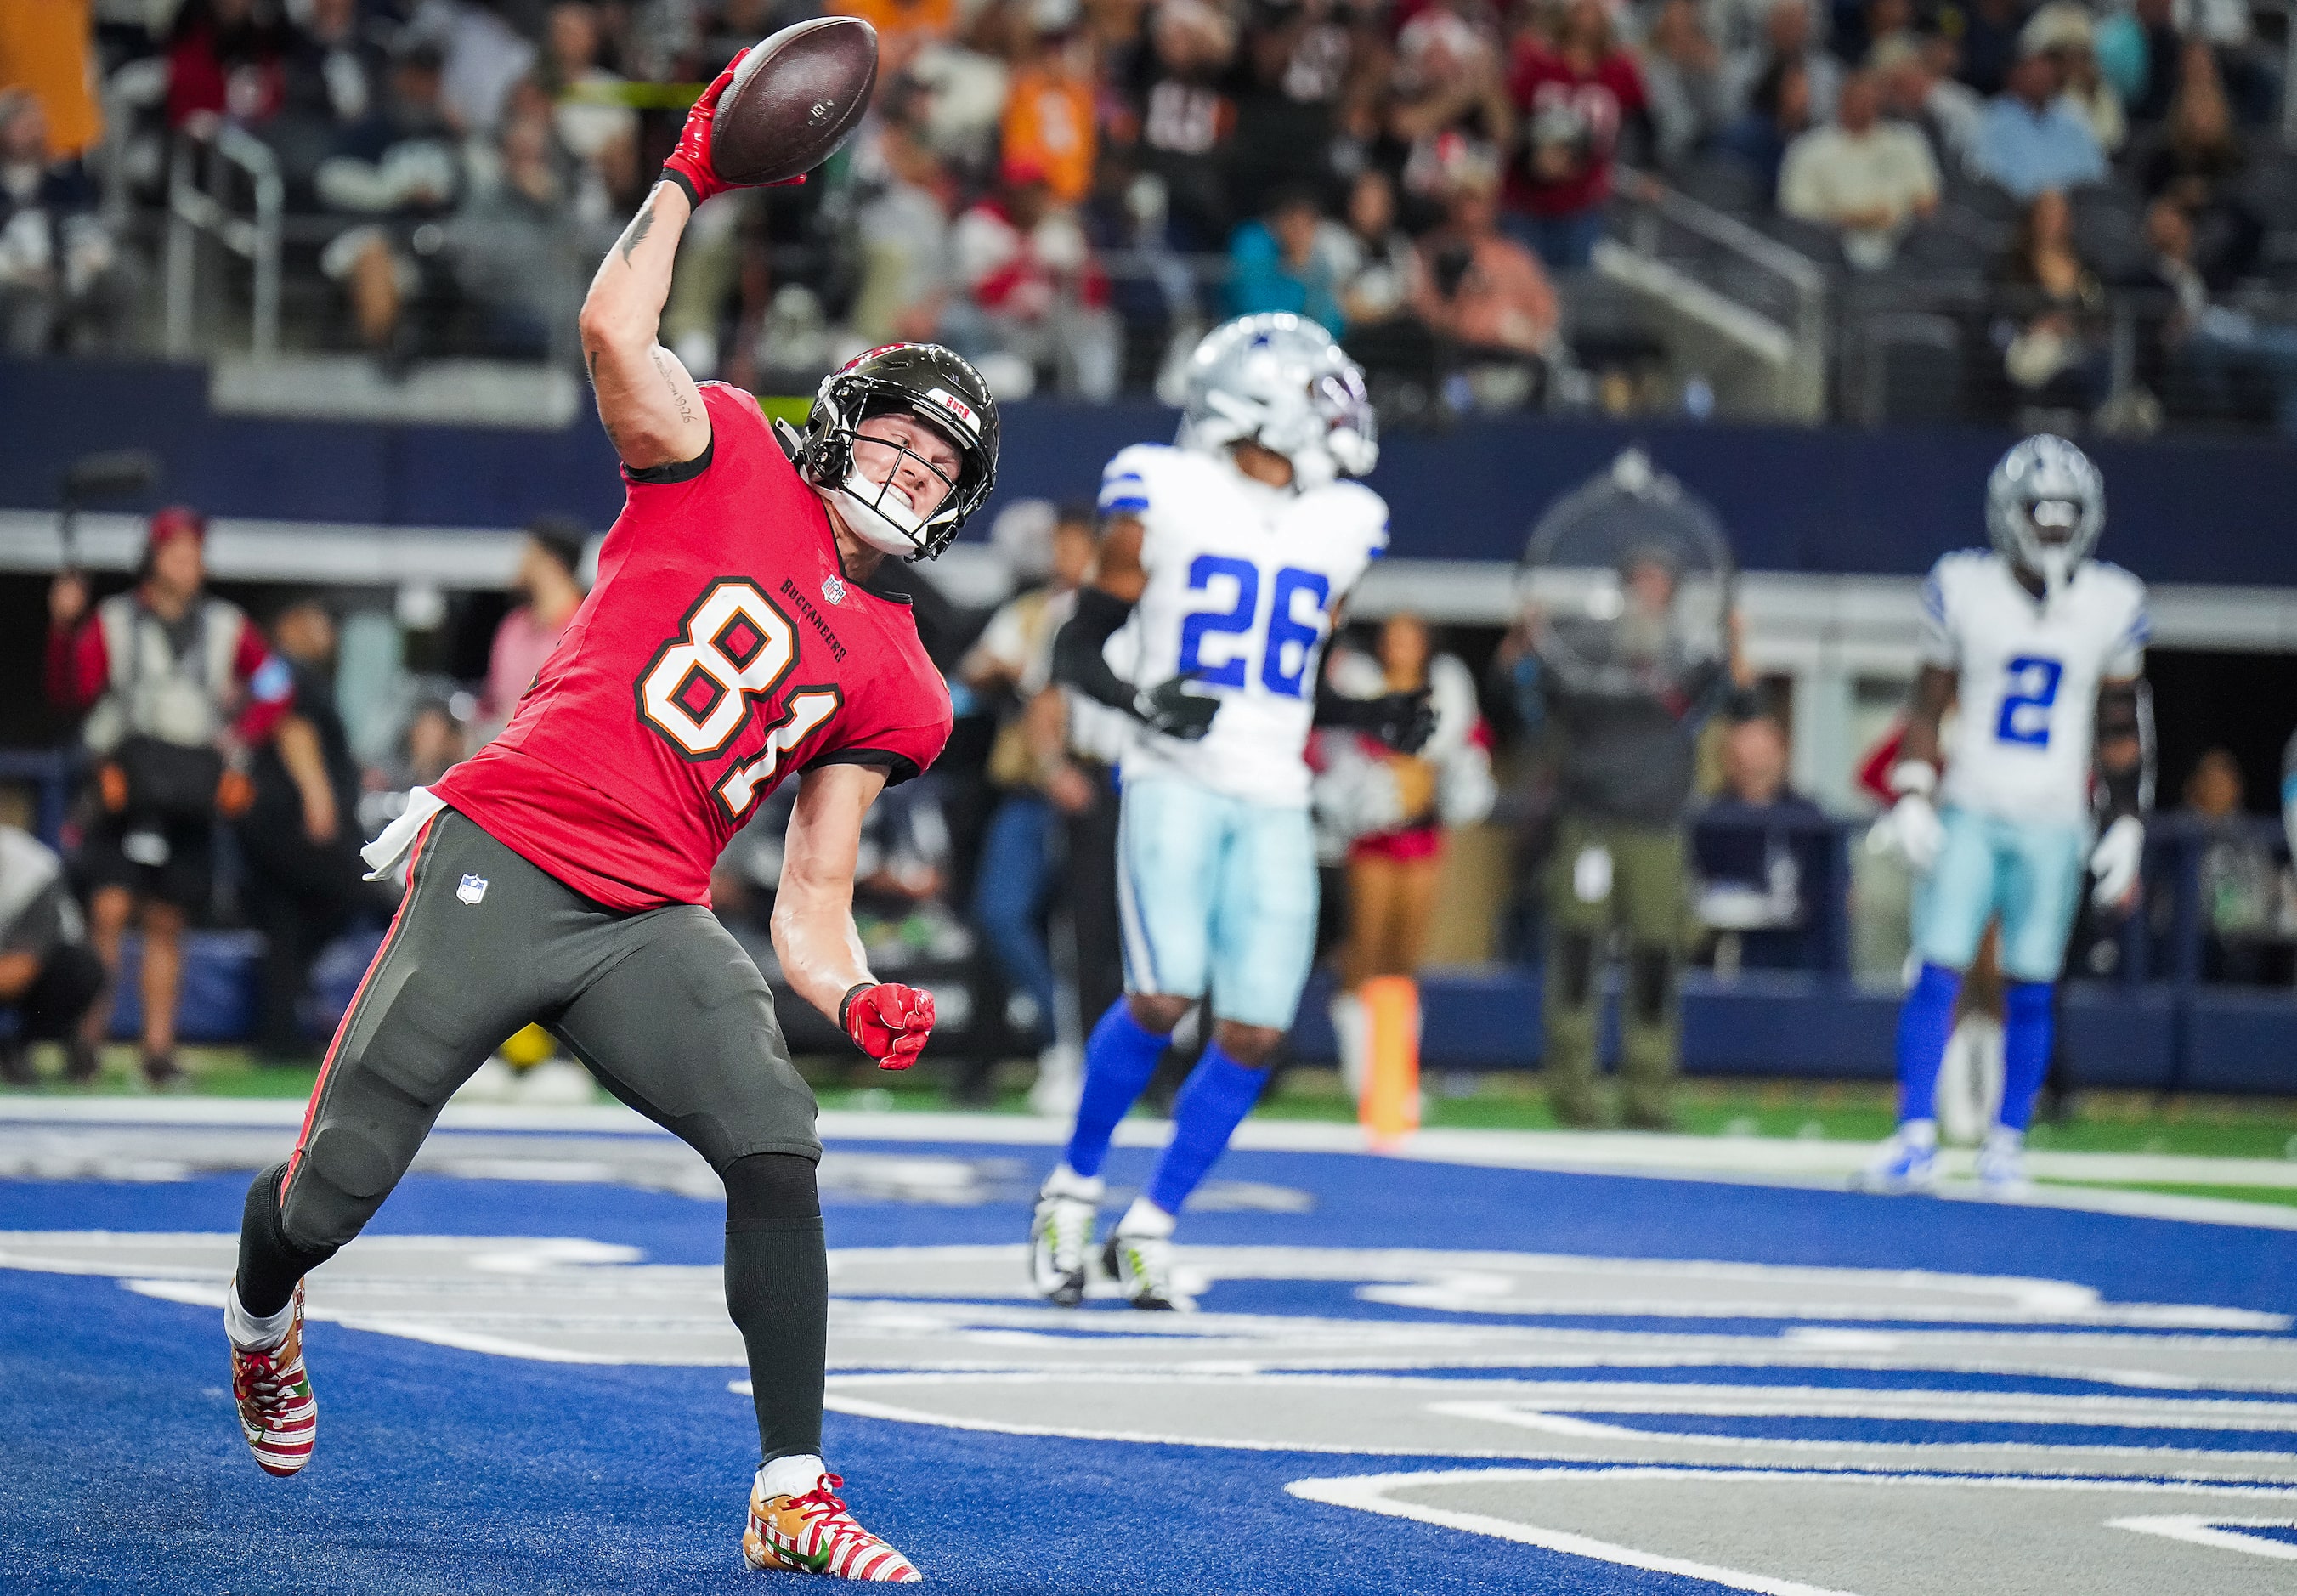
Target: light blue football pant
[2030,875]
[1217,895]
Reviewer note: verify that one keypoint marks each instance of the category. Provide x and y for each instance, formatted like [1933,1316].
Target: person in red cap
[175,686]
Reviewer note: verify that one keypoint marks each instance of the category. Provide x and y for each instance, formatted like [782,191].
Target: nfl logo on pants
[473,888]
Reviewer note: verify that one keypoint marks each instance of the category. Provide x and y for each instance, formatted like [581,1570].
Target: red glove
[688,165]
[887,1022]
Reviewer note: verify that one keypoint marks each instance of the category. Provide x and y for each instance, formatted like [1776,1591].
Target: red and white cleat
[276,1412]
[815,1534]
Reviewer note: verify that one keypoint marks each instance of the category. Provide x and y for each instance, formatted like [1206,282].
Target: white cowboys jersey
[2029,672]
[1243,582]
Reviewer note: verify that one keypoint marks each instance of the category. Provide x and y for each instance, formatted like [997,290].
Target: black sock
[269,1264]
[778,1291]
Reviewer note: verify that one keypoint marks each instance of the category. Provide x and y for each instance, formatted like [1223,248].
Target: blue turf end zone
[450,1470]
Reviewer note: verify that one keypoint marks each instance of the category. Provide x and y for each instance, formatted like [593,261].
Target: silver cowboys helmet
[1280,381]
[923,380]
[2044,509]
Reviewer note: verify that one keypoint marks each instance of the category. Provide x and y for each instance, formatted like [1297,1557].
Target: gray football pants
[662,1006]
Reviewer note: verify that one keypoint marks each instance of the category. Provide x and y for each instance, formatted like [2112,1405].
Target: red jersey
[1558,104]
[723,648]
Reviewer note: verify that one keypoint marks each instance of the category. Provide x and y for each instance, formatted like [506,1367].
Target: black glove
[1170,709]
[1405,722]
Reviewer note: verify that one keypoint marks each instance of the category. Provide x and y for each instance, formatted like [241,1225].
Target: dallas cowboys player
[1226,557]
[2044,648]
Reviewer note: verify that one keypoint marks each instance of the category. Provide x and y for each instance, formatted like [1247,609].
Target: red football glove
[690,161]
[889,1022]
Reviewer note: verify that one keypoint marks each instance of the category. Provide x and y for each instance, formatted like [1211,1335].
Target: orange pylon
[1390,1110]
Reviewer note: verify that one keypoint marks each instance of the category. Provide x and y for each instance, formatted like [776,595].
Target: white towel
[383,854]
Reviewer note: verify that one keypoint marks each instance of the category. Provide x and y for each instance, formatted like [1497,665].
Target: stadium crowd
[1068,189]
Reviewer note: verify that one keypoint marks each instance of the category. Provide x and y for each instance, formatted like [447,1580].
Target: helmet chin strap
[879,514]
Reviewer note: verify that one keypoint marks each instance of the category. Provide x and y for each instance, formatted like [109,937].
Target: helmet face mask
[2044,509]
[1279,381]
[940,392]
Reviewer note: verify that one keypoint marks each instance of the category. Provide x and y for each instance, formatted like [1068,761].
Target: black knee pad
[770,1187]
[1577,950]
[1650,982]
[270,1261]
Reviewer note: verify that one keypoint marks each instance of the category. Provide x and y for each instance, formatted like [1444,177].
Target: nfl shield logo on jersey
[833,588]
[473,888]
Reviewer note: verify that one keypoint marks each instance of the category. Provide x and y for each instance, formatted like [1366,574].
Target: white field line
[2195,1530]
[1758,1160]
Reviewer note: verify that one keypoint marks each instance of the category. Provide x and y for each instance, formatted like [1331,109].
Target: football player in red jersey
[738,632]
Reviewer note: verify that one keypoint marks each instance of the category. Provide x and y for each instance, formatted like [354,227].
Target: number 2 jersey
[1243,582]
[2029,672]
[723,648]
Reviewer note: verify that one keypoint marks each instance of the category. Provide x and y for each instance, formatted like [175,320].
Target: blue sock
[2028,1026]
[1213,1103]
[1119,1057]
[1925,1022]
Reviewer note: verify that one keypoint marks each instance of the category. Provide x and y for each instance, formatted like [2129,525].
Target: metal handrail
[195,206]
[1652,202]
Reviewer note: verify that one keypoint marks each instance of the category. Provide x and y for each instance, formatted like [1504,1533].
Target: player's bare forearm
[1934,691]
[814,936]
[647,402]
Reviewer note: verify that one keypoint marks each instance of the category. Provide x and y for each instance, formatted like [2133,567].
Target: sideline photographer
[176,687]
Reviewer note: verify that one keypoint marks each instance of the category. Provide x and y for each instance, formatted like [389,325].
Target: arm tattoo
[677,394]
[635,233]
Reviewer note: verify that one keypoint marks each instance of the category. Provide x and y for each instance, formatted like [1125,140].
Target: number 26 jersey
[722,648]
[2029,672]
[1244,580]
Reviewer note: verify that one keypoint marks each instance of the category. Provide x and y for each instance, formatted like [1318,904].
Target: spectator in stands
[62,282]
[400,170]
[2031,140]
[590,118]
[1032,293]
[902,230]
[1759,851]
[1186,115]
[2196,162]
[304,881]
[529,230]
[226,63]
[1484,294]
[1788,36]
[1284,108]
[50,51]
[1919,89]
[482,58]
[335,77]
[1868,179]
[1048,126]
[1778,113]
[1373,279]
[549,585]
[176,688]
[49,977]
[2052,351]
[2141,54]
[1683,81]
[1286,262]
[2216,344]
[1989,44]
[1574,91]
[2063,30]
[1447,100]
[1038,783]
[904,27]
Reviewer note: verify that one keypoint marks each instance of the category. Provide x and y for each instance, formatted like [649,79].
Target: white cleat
[1142,1267]
[2002,1166]
[1906,1162]
[1060,1235]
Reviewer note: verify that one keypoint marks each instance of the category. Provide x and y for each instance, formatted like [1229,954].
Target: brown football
[795,98]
